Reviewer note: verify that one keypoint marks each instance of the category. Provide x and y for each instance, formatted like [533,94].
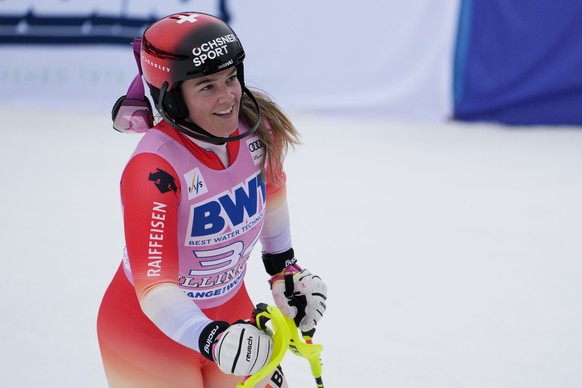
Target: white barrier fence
[390,58]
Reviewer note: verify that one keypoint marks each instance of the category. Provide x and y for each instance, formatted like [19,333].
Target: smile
[224,112]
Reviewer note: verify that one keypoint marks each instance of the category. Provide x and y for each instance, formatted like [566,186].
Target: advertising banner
[368,57]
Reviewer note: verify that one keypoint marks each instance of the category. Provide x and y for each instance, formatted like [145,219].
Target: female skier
[201,189]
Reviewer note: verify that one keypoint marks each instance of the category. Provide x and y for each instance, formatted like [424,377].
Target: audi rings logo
[257,149]
[255,145]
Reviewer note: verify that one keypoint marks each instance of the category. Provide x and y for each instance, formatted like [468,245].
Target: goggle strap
[136,90]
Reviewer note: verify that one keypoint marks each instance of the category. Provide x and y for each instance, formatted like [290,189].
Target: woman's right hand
[240,349]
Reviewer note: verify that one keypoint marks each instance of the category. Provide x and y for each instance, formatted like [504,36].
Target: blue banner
[79,24]
[519,61]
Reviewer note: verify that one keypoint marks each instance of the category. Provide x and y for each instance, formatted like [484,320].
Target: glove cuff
[276,262]
[286,275]
[209,335]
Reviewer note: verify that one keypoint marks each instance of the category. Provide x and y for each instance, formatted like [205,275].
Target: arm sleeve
[150,194]
[276,233]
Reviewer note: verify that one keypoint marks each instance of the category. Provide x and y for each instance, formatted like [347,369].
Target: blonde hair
[276,132]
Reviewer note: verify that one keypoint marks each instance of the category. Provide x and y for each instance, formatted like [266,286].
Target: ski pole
[306,349]
[281,336]
[285,337]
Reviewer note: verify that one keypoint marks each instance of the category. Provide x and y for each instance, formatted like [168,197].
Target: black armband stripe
[208,337]
[277,262]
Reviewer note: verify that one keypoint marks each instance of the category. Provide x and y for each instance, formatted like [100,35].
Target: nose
[226,93]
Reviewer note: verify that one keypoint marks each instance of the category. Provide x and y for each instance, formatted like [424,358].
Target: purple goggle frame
[132,113]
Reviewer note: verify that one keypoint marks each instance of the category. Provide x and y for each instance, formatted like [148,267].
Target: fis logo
[196,184]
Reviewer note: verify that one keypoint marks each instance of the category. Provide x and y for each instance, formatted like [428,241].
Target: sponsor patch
[257,150]
[196,183]
[163,181]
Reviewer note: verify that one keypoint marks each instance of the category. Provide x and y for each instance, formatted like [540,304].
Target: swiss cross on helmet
[183,46]
[188,45]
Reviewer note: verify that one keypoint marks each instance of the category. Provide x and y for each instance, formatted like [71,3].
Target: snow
[451,251]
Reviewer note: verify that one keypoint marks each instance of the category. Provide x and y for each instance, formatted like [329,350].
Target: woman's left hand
[300,295]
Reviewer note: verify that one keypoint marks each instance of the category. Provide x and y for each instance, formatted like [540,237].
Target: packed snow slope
[452,252]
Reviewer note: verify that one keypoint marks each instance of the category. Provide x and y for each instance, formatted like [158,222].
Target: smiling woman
[213,101]
[203,187]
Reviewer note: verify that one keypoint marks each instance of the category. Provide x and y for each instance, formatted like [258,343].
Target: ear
[174,104]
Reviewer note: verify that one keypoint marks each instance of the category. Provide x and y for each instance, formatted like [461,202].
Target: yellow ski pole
[280,342]
[285,336]
[306,349]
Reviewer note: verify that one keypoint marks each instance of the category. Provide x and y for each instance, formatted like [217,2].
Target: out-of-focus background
[437,191]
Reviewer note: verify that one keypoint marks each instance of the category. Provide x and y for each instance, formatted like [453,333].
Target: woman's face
[213,101]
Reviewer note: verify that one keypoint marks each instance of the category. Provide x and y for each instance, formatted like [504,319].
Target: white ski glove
[240,349]
[299,294]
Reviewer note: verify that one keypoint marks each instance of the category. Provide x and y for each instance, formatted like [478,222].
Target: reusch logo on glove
[249,347]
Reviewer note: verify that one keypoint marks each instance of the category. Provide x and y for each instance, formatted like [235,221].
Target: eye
[232,78]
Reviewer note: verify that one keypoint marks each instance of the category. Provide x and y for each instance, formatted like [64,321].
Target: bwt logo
[231,208]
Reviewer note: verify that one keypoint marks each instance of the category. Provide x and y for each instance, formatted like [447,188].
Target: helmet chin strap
[197,132]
